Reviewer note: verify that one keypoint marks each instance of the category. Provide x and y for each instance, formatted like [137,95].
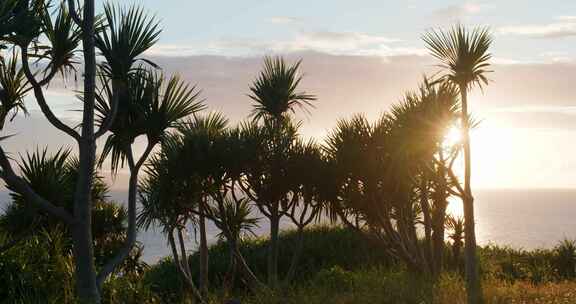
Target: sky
[361,57]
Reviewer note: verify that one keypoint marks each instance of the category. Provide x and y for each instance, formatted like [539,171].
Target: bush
[128,290]
[163,280]
[37,270]
[334,278]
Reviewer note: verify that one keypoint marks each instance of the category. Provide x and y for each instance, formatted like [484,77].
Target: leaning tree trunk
[439,217]
[181,263]
[425,205]
[86,286]
[473,284]
[273,247]
[230,277]
[203,251]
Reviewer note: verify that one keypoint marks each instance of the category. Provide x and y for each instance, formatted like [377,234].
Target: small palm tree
[465,59]
[275,93]
[456,227]
[135,102]
[234,219]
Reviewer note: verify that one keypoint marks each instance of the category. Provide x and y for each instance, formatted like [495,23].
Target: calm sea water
[519,218]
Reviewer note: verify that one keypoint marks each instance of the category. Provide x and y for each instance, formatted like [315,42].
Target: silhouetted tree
[465,61]
[28,26]
[276,96]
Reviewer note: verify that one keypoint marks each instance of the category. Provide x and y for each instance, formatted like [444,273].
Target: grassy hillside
[340,266]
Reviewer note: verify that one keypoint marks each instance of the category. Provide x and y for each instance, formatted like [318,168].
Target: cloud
[566,28]
[520,95]
[454,12]
[329,42]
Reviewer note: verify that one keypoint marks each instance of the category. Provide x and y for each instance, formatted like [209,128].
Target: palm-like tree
[465,62]
[54,176]
[400,185]
[135,102]
[200,136]
[168,199]
[13,89]
[456,227]
[234,219]
[275,93]
[308,192]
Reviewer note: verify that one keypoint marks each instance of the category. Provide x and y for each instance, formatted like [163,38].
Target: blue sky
[360,57]
[200,25]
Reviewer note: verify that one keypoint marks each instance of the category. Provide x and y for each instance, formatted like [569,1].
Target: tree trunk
[128,244]
[439,217]
[230,277]
[424,203]
[273,247]
[438,236]
[296,256]
[181,266]
[473,284]
[247,273]
[86,286]
[203,251]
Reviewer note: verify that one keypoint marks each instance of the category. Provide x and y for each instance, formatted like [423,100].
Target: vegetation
[382,186]
[465,61]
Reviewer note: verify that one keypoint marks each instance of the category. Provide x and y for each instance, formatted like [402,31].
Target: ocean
[521,218]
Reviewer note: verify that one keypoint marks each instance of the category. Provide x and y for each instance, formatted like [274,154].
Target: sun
[453,136]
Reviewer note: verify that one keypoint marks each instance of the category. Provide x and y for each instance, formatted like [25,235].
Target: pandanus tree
[233,216]
[229,209]
[29,27]
[13,89]
[134,101]
[190,178]
[53,176]
[168,201]
[394,191]
[153,106]
[200,136]
[423,121]
[464,56]
[309,192]
[276,96]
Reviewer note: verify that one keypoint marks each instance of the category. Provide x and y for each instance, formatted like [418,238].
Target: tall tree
[276,96]
[152,107]
[168,199]
[28,25]
[464,58]
[399,187]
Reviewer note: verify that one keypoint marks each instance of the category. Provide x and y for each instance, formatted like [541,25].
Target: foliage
[275,90]
[13,88]
[464,54]
[43,275]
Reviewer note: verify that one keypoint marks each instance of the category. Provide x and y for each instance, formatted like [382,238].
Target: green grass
[338,266]
[341,266]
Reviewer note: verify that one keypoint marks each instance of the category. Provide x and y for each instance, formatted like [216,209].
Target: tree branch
[41,100]
[73,13]
[121,255]
[21,186]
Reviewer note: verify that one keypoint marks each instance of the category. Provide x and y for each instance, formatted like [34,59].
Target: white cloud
[336,43]
[566,18]
[551,30]
[458,11]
